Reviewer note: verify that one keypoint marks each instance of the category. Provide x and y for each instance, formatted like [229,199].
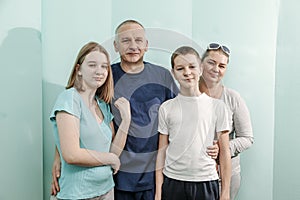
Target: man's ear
[146,48]
[116,46]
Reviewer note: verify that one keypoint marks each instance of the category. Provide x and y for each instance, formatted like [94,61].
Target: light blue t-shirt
[77,182]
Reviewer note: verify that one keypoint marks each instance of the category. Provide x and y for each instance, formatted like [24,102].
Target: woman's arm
[242,127]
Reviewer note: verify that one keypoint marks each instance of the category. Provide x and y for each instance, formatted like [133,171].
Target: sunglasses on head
[216,46]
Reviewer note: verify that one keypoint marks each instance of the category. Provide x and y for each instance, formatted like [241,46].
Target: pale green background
[39,41]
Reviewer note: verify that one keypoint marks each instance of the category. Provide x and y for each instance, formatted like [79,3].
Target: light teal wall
[249,28]
[21,161]
[287,107]
[264,39]
[66,27]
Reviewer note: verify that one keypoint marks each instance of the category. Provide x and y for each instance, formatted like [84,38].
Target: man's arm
[55,173]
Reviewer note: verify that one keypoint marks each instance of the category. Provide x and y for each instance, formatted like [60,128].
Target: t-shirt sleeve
[162,122]
[68,101]
[222,123]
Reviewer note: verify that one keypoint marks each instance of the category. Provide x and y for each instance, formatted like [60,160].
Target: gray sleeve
[242,127]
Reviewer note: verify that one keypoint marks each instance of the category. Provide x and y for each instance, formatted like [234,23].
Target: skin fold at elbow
[72,158]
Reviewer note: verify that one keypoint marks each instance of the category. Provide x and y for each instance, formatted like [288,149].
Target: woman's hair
[106,91]
[206,53]
[184,50]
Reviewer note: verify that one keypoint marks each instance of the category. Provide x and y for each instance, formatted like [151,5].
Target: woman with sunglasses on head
[214,65]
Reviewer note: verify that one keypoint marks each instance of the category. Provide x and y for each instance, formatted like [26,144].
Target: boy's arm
[160,161]
[225,165]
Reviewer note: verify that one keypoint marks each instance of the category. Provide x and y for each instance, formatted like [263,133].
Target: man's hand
[55,176]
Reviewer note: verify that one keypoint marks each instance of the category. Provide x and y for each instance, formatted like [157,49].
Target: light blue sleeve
[68,101]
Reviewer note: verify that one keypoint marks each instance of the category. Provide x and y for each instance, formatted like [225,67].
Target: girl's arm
[119,139]
[68,130]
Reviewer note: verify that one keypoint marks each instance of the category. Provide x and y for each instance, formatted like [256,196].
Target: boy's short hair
[184,50]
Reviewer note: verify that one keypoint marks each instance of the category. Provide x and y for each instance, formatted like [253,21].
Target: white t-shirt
[192,124]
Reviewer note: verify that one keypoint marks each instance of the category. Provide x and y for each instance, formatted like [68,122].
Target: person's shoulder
[233,97]
[169,102]
[155,67]
[69,101]
[68,96]
[115,66]
[68,93]
[213,101]
[232,93]
[117,71]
